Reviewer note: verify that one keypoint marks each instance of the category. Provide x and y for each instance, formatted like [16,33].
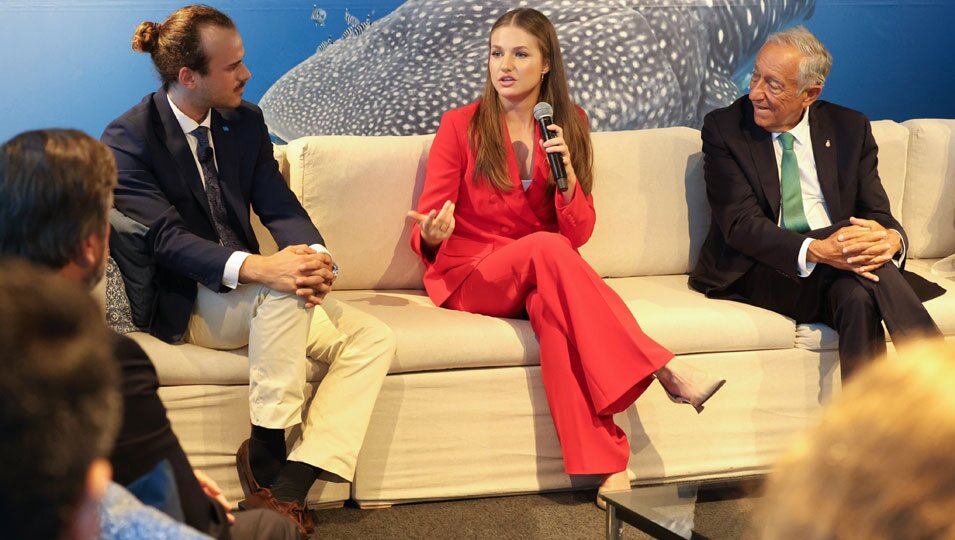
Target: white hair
[816,61]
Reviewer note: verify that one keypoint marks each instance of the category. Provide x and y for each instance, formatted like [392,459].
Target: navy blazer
[160,187]
[742,186]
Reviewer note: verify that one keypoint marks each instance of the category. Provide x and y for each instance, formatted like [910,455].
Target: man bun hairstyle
[177,42]
[146,36]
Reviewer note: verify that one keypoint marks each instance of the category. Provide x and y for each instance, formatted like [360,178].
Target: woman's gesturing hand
[436,226]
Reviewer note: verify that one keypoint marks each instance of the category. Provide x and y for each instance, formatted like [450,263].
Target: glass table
[689,510]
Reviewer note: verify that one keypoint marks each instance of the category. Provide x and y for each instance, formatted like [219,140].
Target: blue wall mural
[392,66]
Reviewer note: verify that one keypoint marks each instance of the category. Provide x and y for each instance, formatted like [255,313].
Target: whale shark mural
[630,65]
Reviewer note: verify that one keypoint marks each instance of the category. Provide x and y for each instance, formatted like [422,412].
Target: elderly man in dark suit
[193,158]
[801,222]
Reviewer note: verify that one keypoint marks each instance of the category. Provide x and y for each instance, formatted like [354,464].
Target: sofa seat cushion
[820,337]
[187,364]
[687,322]
[431,338]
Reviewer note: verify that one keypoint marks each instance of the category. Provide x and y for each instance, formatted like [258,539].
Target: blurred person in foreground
[59,414]
[56,188]
[879,465]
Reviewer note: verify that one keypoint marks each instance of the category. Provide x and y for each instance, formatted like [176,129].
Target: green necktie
[794,217]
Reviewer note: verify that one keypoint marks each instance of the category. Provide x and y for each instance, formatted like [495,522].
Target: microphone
[544,114]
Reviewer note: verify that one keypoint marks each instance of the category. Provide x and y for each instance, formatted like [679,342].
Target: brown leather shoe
[242,465]
[294,510]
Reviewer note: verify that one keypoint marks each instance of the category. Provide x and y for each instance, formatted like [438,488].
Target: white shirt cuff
[900,256]
[230,274]
[805,267]
[321,249]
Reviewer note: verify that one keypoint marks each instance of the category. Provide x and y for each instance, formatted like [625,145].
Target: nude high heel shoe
[686,384]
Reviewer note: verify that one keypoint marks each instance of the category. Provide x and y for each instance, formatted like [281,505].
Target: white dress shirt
[230,274]
[813,201]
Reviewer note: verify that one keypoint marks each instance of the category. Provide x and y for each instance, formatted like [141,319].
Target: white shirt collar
[187,124]
[801,132]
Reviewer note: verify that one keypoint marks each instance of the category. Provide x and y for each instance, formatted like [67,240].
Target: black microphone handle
[556,160]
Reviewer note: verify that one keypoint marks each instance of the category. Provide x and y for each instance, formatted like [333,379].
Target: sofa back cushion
[357,191]
[652,214]
[928,204]
[893,141]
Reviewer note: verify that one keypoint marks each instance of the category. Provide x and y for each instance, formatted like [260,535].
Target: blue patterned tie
[214,191]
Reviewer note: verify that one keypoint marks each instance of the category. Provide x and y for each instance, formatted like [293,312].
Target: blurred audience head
[879,465]
[56,189]
[59,405]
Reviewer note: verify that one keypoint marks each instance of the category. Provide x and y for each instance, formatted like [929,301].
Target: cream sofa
[463,412]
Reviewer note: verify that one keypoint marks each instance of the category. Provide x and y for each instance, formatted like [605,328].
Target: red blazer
[487,218]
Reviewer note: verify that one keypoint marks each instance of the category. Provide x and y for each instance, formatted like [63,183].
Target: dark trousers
[852,305]
[261,525]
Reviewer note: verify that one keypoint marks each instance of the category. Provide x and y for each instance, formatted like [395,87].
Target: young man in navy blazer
[801,223]
[193,157]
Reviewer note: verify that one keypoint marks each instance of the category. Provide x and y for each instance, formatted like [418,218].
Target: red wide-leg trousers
[595,360]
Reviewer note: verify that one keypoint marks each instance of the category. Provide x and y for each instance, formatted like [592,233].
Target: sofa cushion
[188,364]
[431,338]
[685,321]
[893,141]
[119,316]
[650,198]
[928,214]
[819,336]
[359,203]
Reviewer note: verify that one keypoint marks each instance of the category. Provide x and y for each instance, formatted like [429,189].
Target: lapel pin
[226,129]
[827,141]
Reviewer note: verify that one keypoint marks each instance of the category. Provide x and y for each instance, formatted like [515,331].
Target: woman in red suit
[499,239]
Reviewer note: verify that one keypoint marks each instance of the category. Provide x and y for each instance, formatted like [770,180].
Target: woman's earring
[542,75]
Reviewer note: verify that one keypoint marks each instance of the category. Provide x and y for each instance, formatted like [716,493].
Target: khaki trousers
[282,337]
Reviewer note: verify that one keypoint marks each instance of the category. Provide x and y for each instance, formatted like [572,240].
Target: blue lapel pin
[225,129]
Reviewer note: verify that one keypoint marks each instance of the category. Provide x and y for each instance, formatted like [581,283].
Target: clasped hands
[862,248]
[296,269]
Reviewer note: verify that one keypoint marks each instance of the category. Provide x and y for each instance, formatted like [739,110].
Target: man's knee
[378,339]
[850,297]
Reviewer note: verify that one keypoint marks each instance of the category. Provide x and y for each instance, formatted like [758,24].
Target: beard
[96,274]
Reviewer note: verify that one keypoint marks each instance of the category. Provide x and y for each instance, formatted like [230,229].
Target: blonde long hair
[484,133]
